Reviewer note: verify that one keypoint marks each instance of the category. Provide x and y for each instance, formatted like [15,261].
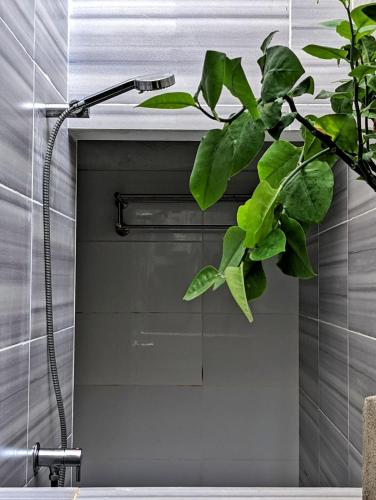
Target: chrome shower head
[140,83]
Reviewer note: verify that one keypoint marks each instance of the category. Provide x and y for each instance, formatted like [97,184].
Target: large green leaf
[169,100]
[277,162]
[341,128]
[203,280]
[286,120]
[233,251]
[325,52]
[254,279]
[237,83]
[213,75]
[212,168]
[282,69]
[235,282]
[265,44]
[295,260]
[308,195]
[273,244]
[312,145]
[270,113]
[363,15]
[344,30]
[342,102]
[247,138]
[306,86]
[362,70]
[256,216]
[368,10]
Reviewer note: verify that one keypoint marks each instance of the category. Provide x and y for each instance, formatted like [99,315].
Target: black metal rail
[122,202]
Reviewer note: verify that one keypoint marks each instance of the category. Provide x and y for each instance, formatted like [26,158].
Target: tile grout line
[25,342]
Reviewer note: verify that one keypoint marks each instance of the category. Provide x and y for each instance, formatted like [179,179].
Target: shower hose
[48,286]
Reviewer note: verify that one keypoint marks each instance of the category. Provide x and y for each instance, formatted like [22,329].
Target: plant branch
[218,118]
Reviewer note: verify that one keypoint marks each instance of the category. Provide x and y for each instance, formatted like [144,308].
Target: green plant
[296,182]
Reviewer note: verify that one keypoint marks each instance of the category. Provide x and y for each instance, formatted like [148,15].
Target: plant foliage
[295,182]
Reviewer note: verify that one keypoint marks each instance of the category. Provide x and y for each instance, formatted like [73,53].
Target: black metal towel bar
[122,201]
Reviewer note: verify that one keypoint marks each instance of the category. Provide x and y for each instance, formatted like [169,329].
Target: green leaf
[247,138]
[278,161]
[281,71]
[272,245]
[324,94]
[362,70]
[212,169]
[307,86]
[265,44]
[213,75]
[369,11]
[333,23]
[308,195]
[203,280]
[325,52]
[362,15]
[341,128]
[254,279]
[256,216]
[233,251]
[286,120]
[169,100]
[270,113]
[343,29]
[342,102]
[235,282]
[295,261]
[237,83]
[370,110]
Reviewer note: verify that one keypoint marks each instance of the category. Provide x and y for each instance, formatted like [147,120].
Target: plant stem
[356,90]
[219,119]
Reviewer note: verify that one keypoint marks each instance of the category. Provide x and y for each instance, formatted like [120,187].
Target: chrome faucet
[54,459]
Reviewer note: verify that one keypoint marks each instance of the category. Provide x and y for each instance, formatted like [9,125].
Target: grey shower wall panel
[337,357]
[189,392]
[36,74]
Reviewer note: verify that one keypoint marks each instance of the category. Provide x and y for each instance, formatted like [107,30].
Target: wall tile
[333,275]
[128,276]
[14,268]
[355,468]
[338,210]
[260,359]
[43,417]
[361,196]
[362,382]
[362,274]
[63,169]
[252,473]
[333,368]
[139,349]
[308,442]
[19,16]
[333,455]
[16,131]
[226,429]
[14,364]
[62,248]
[155,422]
[309,289]
[51,41]
[309,357]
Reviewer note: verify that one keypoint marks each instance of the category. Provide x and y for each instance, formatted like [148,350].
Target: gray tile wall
[169,392]
[337,337]
[33,63]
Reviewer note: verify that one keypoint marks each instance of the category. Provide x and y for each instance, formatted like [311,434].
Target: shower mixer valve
[55,458]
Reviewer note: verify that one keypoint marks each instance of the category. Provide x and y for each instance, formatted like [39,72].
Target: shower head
[140,83]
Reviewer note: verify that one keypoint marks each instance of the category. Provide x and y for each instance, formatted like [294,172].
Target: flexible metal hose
[48,285]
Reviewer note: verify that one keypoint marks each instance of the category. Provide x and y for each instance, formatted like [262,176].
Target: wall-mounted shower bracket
[55,110]
[55,458]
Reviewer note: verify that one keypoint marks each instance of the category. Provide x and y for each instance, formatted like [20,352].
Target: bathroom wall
[113,41]
[33,65]
[169,392]
[337,337]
